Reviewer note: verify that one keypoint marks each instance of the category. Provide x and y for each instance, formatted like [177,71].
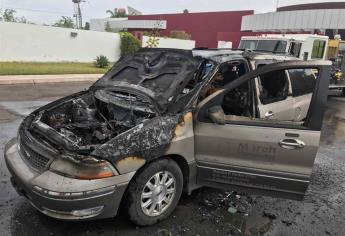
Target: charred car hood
[159,73]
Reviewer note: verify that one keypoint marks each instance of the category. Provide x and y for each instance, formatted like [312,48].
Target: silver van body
[263,148]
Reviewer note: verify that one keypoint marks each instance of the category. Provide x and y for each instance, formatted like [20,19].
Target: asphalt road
[206,211]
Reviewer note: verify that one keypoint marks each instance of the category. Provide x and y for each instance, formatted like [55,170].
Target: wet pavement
[207,211]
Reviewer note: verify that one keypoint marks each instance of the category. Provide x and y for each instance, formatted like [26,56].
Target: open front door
[236,149]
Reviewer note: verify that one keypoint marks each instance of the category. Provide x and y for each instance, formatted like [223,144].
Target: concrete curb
[39,79]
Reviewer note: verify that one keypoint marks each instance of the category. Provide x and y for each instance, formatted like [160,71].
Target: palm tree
[65,22]
[117,13]
[113,14]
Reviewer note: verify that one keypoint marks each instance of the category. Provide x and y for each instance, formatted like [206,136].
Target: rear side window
[295,49]
[303,81]
[273,86]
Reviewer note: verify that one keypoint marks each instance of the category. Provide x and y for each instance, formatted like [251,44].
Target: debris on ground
[269,215]
[287,222]
[232,210]
[162,232]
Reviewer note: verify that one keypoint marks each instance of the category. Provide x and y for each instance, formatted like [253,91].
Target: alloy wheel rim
[158,193]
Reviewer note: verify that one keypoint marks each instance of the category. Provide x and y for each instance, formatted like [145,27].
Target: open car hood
[161,74]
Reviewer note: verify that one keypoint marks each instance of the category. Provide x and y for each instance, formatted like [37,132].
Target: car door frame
[313,121]
[276,105]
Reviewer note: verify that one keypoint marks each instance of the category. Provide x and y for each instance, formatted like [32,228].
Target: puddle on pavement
[6,116]
[23,108]
[333,129]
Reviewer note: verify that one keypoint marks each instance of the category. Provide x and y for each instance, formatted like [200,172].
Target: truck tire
[154,192]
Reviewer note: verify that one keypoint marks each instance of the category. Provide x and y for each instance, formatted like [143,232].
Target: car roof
[224,55]
[299,37]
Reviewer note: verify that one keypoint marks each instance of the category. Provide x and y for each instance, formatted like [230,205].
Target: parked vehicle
[303,46]
[163,121]
[337,81]
[336,53]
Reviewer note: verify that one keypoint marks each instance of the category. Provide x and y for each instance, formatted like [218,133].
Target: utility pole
[277,5]
[77,14]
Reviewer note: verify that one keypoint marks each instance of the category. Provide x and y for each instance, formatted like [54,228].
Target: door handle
[291,144]
[269,114]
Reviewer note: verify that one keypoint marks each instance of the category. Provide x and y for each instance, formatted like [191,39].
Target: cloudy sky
[47,11]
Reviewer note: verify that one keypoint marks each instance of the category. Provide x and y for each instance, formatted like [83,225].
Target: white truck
[304,46]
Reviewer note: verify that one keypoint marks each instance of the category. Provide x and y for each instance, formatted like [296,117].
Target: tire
[343,92]
[144,190]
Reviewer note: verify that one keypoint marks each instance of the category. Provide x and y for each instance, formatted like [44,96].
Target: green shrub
[129,43]
[179,34]
[101,61]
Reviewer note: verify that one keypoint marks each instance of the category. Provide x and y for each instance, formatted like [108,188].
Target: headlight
[88,168]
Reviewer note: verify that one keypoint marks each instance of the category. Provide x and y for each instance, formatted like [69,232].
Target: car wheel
[343,92]
[154,193]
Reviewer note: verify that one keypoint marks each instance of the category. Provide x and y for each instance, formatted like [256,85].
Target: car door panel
[255,150]
[279,108]
[259,156]
[301,105]
[255,147]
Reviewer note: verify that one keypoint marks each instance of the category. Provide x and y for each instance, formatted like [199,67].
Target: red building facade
[206,28]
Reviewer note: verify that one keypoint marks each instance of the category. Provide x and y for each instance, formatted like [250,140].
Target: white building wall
[118,24]
[305,20]
[25,42]
[138,24]
[171,43]
[100,24]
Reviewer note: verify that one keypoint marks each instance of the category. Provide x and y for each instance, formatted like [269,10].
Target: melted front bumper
[62,197]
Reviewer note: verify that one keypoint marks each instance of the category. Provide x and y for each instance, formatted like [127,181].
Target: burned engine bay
[81,124]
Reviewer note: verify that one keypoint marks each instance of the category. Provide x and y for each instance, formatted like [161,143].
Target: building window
[318,49]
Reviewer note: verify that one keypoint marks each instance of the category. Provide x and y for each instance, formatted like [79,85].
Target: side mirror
[216,114]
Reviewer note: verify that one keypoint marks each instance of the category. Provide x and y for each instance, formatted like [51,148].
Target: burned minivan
[164,121]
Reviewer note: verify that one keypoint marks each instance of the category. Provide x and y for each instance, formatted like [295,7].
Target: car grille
[34,159]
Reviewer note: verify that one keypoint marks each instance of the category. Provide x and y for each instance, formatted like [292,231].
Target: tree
[9,15]
[111,13]
[108,28]
[65,22]
[87,26]
[185,11]
[154,35]
[23,20]
[129,43]
[117,13]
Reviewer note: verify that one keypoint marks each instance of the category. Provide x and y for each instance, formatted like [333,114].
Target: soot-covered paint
[149,140]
